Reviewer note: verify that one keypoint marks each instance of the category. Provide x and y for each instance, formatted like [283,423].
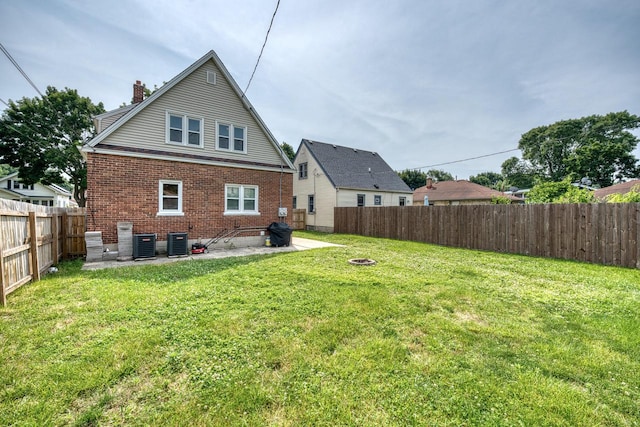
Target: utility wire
[15,63]
[4,102]
[470,158]
[262,50]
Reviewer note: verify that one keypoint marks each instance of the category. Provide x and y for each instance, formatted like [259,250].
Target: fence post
[54,244]
[65,237]
[3,295]
[35,273]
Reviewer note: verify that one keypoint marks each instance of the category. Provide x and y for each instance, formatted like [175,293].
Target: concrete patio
[297,244]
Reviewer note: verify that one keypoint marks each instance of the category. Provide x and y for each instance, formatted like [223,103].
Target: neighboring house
[622,188]
[461,192]
[193,157]
[12,188]
[334,176]
[519,193]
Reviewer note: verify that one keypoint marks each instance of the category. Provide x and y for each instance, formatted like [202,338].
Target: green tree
[439,175]
[41,137]
[488,179]
[598,147]
[6,170]
[633,196]
[559,192]
[500,200]
[414,178]
[518,173]
[288,150]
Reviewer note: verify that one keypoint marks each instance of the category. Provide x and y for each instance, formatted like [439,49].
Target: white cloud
[419,82]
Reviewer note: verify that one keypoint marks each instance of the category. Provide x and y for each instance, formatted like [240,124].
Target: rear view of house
[193,157]
[332,176]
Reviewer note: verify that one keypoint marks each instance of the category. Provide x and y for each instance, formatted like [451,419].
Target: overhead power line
[15,63]
[266,37]
[470,158]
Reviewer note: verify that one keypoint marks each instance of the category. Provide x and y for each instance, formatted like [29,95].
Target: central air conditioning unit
[144,246]
[177,244]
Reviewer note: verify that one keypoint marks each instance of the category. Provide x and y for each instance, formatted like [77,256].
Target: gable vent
[211,77]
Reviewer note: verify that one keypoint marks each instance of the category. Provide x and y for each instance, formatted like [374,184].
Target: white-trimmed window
[170,198]
[185,130]
[231,138]
[302,170]
[241,199]
[403,201]
[311,202]
[377,200]
[361,200]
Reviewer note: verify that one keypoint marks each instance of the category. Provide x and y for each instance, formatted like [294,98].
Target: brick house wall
[121,188]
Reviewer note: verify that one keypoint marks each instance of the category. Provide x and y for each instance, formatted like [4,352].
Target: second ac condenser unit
[177,244]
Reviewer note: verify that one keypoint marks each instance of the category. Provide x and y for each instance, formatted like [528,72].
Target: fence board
[601,233]
[31,240]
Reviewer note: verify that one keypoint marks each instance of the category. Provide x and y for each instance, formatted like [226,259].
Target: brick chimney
[429,183]
[138,92]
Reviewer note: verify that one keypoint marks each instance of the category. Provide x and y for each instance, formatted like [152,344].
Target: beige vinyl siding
[319,185]
[196,98]
[109,120]
[349,198]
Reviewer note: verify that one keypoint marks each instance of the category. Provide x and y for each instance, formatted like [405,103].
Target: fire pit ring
[362,261]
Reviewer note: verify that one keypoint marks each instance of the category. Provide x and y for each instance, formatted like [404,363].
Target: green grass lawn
[428,336]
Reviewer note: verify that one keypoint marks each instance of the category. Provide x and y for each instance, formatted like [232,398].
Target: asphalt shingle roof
[621,188]
[457,190]
[354,168]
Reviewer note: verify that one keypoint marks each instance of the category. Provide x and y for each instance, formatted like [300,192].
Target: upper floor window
[231,138]
[184,130]
[170,198]
[302,170]
[241,199]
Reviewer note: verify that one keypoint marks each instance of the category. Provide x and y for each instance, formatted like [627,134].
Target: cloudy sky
[422,82]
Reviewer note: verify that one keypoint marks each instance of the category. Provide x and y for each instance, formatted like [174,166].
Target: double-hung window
[241,199]
[302,170]
[231,138]
[170,198]
[360,200]
[311,208]
[184,130]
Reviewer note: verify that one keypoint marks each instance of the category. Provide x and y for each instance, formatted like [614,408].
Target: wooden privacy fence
[33,238]
[298,219]
[602,233]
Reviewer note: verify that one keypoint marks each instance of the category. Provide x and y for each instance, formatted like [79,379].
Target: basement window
[170,198]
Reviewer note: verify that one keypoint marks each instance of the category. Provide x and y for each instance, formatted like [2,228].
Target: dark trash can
[280,234]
